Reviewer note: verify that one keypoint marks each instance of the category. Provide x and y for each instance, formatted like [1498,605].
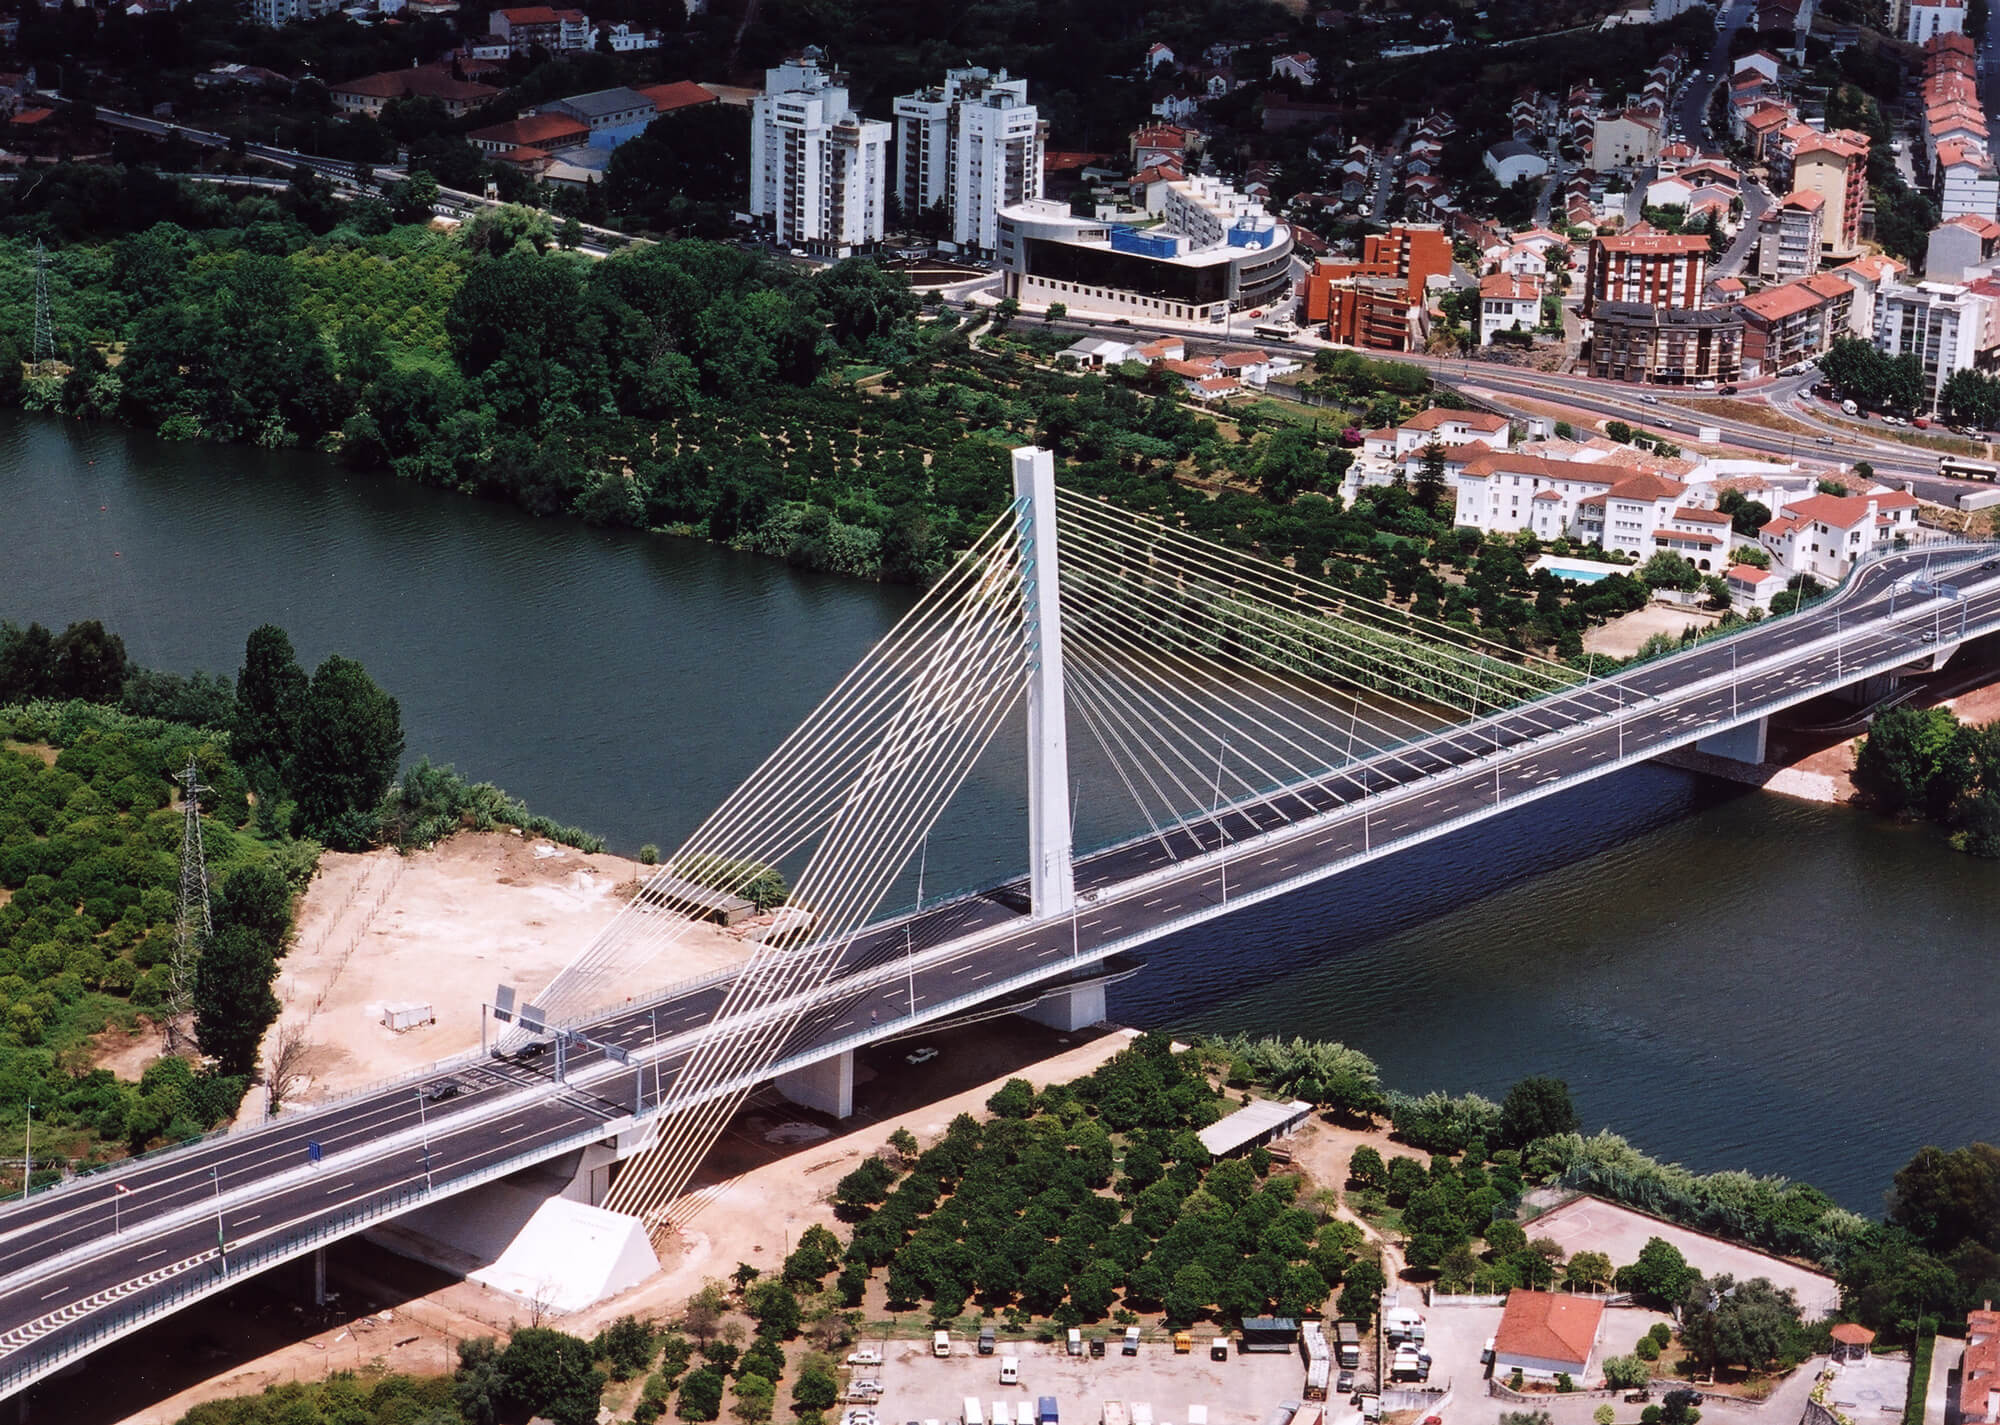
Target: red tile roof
[1647,487]
[418,83]
[1849,1334]
[1751,574]
[1686,536]
[1979,1375]
[1438,415]
[1702,516]
[1548,1326]
[532,131]
[682,94]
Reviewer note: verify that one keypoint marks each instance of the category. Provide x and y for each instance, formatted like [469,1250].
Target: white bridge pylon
[1209,679]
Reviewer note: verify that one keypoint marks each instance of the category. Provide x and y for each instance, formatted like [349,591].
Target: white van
[1010,1370]
[973,1415]
[941,1343]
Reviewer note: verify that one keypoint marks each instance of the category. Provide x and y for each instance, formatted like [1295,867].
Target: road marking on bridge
[30,1332]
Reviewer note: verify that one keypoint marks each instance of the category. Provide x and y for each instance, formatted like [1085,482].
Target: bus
[1959,468]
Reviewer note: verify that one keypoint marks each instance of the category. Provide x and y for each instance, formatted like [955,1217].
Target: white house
[1824,535]
[1158,57]
[1927,19]
[1507,303]
[1752,588]
[1545,1334]
[1301,67]
[1511,161]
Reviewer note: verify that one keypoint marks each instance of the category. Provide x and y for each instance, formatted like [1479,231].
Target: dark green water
[1730,979]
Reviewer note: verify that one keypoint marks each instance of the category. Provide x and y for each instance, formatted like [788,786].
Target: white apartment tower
[818,170]
[973,143]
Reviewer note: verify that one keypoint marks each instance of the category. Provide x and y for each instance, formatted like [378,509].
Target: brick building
[1658,269]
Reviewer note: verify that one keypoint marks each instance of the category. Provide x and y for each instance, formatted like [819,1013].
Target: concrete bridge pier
[1745,743]
[1077,1007]
[319,1276]
[827,1086]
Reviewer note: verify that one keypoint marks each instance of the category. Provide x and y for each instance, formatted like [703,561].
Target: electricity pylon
[193,927]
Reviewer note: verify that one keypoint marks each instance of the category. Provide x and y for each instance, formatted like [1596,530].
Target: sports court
[1590,1224]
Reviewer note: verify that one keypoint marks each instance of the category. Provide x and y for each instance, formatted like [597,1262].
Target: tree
[1366,1169]
[1902,764]
[1013,1099]
[754,1394]
[1537,1107]
[1944,1199]
[701,1395]
[89,663]
[232,997]
[1726,1322]
[1430,489]
[479,1386]
[817,1386]
[350,742]
[1192,1291]
[1661,1275]
[774,1307]
[27,663]
[1668,570]
[270,696]
[1590,1270]
[550,1373]
[1361,1292]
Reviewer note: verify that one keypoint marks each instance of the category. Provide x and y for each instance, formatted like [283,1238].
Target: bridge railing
[211,1273]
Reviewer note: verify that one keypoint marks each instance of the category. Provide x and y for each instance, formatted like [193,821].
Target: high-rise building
[1939,323]
[974,144]
[818,170]
[1658,269]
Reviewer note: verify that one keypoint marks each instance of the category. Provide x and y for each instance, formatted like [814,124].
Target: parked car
[921,1056]
[1727,391]
[866,1356]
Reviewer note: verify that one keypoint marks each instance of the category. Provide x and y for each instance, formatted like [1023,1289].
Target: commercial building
[1824,535]
[1189,267]
[818,171]
[1788,238]
[371,93]
[1794,322]
[1545,1334]
[1940,322]
[1378,302]
[1639,342]
[1660,269]
[611,115]
[974,144]
[546,133]
[1512,162]
[1257,1122]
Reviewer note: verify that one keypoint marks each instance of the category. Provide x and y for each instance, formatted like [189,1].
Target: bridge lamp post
[118,1193]
[221,1251]
[27,1152]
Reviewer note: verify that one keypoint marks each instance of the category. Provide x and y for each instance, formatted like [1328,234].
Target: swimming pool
[1582,576]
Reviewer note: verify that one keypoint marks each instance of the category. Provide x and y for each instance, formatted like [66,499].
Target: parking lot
[917,1386]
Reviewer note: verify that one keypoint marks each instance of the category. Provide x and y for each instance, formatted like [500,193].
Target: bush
[1662,1334]
[1647,1349]
[1564,1385]
[1627,1372]
[1603,1415]
[626,1345]
[1650,1415]
[649,855]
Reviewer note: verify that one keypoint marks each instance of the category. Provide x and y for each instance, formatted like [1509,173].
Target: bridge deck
[69,1283]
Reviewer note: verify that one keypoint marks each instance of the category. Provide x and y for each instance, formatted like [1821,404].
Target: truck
[1197,1415]
[1406,1366]
[941,1343]
[1218,1348]
[987,1340]
[1849,408]
[1319,1375]
[972,1415]
[1075,1341]
[1045,1410]
[1114,1413]
[1269,1334]
[1347,1344]
[1131,1346]
[1142,1413]
[1183,1342]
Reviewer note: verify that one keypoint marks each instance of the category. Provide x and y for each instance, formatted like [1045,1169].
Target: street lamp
[423,1124]
[118,1191]
[28,1152]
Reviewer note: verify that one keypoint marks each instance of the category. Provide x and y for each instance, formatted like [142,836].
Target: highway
[87,1260]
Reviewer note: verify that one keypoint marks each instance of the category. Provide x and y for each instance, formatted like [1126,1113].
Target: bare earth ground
[1588,1225]
[444,927]
[1622,636]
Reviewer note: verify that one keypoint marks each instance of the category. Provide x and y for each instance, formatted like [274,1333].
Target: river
[1730,979]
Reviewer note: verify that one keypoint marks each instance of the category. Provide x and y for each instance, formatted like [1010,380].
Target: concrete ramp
[527,1243]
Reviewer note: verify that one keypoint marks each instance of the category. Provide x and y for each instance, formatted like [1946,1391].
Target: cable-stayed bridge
[1267,730]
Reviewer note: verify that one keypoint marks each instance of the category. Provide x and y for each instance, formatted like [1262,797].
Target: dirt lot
[1590,1225]
[1238,1391]
[1622,637]
[443,927]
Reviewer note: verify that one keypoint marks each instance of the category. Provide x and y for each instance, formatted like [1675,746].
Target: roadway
[76,1261]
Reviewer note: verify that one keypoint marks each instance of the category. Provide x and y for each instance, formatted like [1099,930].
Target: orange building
[1378,302]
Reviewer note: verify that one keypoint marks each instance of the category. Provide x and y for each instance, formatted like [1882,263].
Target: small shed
[1851,1342]
[698,902]
[1256,1122]
[408,1014]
